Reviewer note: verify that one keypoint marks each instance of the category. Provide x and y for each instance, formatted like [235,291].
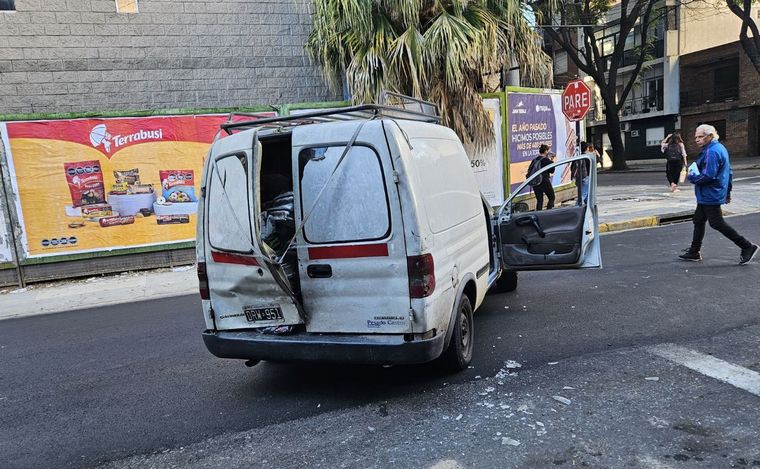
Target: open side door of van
[247,287]
[565,237]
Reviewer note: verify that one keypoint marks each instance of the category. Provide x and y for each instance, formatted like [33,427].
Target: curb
[41,309]
[642,222]
[647,222]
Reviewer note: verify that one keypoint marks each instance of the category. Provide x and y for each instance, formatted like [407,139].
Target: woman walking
[544,187]
[675,153]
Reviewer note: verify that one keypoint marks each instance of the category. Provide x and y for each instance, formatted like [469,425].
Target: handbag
[682,176]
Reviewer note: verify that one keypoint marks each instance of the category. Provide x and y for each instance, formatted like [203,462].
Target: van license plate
[270,313]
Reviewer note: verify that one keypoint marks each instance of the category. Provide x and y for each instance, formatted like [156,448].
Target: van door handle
[319,271]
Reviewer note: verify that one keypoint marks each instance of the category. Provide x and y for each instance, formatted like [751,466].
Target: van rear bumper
[346,348]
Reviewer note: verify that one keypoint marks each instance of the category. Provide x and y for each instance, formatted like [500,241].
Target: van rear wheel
[459,352]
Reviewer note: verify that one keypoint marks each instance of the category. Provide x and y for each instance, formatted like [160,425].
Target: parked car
[360,235]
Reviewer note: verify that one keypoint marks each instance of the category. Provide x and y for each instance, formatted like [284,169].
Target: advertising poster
[88,185]
[488,164]
[535,119]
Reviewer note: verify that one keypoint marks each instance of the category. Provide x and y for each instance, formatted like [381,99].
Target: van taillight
[203,281]
[421,275]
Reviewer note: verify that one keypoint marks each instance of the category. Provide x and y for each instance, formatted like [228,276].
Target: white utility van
[360,235]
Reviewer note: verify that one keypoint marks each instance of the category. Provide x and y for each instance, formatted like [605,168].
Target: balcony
[643,105]
[631,57]
[632,107]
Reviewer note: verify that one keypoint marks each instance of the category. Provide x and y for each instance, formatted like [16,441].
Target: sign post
[576,102]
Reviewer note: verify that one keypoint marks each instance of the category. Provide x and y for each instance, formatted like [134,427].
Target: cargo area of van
[278,205]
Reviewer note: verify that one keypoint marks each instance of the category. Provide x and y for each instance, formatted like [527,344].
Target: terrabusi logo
[99,135]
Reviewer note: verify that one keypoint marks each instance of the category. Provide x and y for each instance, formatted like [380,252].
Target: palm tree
[432,49]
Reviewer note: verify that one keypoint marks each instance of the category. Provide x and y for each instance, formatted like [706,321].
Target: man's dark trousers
[713,215]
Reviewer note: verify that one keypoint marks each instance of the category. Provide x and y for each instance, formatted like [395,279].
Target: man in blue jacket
[712,186]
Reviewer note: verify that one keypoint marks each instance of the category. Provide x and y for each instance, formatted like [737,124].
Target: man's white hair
[707,129]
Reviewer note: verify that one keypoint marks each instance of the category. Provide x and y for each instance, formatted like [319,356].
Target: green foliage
[432,49]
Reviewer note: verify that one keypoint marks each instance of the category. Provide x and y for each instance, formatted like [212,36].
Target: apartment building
[697,73]
[110,55]
[719,85]
[650,112]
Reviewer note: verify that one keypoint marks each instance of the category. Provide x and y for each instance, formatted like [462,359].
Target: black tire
[507,282]
[458,354]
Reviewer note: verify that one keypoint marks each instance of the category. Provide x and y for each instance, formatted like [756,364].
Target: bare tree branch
[751,45]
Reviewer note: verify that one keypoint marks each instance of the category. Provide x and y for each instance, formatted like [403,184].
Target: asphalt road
[86,387]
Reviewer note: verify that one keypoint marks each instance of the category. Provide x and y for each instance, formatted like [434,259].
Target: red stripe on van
[349,252]
[228,258]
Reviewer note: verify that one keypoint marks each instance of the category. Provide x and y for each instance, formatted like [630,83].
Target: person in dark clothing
[580,174]
[712,180]
[675,153]
[545,186]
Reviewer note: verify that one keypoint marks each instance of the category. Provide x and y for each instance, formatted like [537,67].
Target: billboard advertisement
[86,185]
[533,119]
[488,164]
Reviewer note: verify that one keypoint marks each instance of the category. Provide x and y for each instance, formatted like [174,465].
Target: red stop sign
[576,100]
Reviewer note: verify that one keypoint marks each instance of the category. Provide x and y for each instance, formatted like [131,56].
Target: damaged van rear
[359,235]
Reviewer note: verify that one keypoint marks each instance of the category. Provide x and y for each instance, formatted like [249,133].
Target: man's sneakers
[748,254]
[689,255]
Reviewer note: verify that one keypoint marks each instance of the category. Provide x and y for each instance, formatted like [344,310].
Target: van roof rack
[392,105]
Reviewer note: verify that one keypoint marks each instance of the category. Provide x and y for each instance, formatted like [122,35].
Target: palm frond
[406,57]
[433,49]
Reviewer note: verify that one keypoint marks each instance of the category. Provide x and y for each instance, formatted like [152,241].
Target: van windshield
[353,206]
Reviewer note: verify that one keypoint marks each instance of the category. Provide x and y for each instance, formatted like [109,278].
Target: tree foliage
[750,44]
[432,49]
[587,53]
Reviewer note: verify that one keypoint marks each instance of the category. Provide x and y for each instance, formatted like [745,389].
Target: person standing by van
[580,173]
[544,185]
[712,186]
[675,153]
[592,149]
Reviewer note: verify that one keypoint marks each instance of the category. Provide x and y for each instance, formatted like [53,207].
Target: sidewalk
[620,208]
[632,206]
[658,165]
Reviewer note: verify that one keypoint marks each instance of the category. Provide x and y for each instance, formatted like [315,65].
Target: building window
[655,135]
[7,5]
[654,98]
[126,6]
[560,62]
[726,83]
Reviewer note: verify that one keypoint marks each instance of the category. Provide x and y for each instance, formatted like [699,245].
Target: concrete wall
[81,55]
[704,25]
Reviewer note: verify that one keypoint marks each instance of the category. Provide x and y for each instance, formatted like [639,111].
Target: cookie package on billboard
[85,181]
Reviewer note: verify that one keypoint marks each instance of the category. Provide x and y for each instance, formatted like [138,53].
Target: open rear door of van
[563,237]
[351,248]
[248,289]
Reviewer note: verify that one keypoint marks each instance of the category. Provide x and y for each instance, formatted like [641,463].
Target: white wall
[704,25]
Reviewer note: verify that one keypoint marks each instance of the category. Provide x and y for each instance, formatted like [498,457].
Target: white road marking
[735,375]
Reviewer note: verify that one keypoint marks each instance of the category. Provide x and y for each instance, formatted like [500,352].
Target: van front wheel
[459,352]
